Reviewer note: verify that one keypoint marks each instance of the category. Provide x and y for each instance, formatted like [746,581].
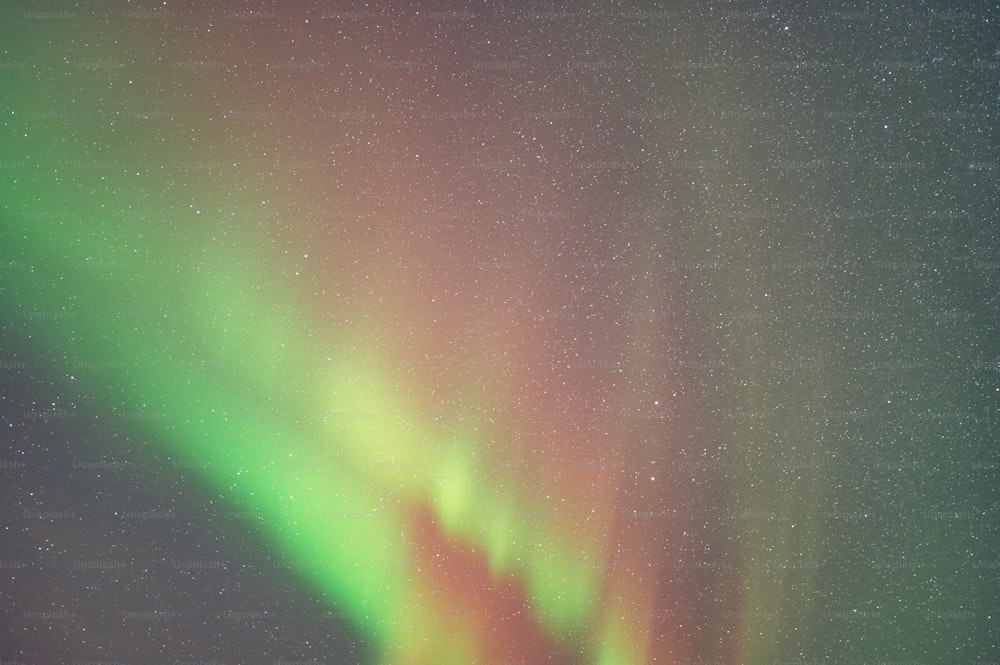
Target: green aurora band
[330,490]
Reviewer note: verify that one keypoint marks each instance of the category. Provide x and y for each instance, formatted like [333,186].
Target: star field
[426,333]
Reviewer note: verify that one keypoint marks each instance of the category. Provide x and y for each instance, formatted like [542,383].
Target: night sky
[443,333]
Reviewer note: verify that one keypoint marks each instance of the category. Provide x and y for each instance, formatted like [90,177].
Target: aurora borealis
[487,334]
